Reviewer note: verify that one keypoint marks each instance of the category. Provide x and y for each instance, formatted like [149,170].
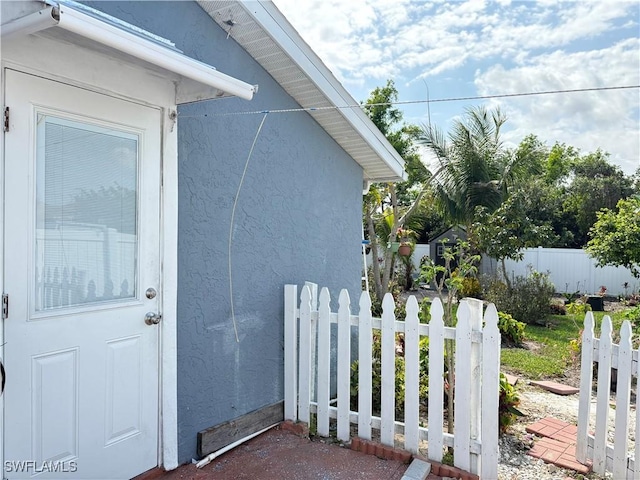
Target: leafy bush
[470,288]
[494,289]
[575,348]
[508,402]
[578,308]
[424,314]
[633,315]
[512,330]
[528,298]
[396,292]
[376,380]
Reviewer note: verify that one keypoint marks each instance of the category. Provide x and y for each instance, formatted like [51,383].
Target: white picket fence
[615,458]
[477,360]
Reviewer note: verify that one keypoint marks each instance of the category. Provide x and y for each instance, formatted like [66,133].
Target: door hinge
[6,119]
[5,306]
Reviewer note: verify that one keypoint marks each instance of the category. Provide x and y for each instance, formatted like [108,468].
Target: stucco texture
[297,218]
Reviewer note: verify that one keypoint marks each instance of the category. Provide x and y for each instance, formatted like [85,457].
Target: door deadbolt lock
[152,318]
[150,293]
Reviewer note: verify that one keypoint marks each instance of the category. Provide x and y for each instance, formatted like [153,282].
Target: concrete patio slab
[280,454]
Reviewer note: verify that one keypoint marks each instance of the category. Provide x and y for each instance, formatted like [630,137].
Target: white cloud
[514,46]
[421,35]
[589,120]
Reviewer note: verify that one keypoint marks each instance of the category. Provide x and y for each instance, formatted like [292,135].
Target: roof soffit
[261,29]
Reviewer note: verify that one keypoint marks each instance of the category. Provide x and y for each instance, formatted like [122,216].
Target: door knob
[152,318]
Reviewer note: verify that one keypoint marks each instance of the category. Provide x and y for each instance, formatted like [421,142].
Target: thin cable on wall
[416,102]
[233,216]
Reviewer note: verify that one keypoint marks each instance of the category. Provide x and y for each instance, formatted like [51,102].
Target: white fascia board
[281,31]
[82,24]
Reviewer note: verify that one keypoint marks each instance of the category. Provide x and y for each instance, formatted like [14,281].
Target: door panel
[82,190]
[54,401]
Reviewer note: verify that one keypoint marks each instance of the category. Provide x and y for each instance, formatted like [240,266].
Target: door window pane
[86,220]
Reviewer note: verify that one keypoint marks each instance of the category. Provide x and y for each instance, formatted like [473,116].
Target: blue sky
[469,48]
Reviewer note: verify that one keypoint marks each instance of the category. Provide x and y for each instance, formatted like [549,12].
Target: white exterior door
[82,220]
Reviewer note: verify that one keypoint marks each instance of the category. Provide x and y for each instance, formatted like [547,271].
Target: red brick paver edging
[380,451]
[557,388]
[447,471]
[438,470]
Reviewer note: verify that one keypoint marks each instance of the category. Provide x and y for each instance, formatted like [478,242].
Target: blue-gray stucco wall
[298,218]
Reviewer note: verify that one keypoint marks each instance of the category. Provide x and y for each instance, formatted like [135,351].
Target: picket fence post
[475,310]
[436,375]
[304,383]
[344,365]
[290,352]
[365,345]
[490,396]
[623,397]
[412,377]
[586,377]
[462,397]
[602,396]
[636,473]
[388,380]
[324,362]
[313,331]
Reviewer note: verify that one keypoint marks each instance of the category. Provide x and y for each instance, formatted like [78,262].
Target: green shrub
[528,298]
[470,288]
[633,315]
[512,330]
[424,314]
[376,303]
[575,348]
[558,309]
[494,290]
[509,400]
[578,309]
[376,380]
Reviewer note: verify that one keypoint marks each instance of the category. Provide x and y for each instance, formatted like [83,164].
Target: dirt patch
[532,346]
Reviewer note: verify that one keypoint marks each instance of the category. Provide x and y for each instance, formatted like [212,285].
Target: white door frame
[125,80]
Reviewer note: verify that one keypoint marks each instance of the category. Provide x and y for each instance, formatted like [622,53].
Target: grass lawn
[551,354]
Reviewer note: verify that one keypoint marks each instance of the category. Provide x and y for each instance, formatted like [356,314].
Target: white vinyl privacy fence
[570,270]
[592,442]
[308,371]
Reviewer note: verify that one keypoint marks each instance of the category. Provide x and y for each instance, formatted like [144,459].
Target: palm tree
[474,168]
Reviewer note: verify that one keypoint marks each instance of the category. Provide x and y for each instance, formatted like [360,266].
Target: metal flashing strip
[134,44]
[116,22]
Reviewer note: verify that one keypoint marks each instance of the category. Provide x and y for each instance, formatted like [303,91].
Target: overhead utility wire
[414,102]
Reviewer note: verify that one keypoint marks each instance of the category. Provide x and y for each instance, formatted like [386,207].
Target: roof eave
[273,23]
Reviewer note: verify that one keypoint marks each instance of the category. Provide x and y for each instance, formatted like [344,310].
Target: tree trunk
[505,274]
[381,282]
[450,353]
[375,265]
[388,257]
